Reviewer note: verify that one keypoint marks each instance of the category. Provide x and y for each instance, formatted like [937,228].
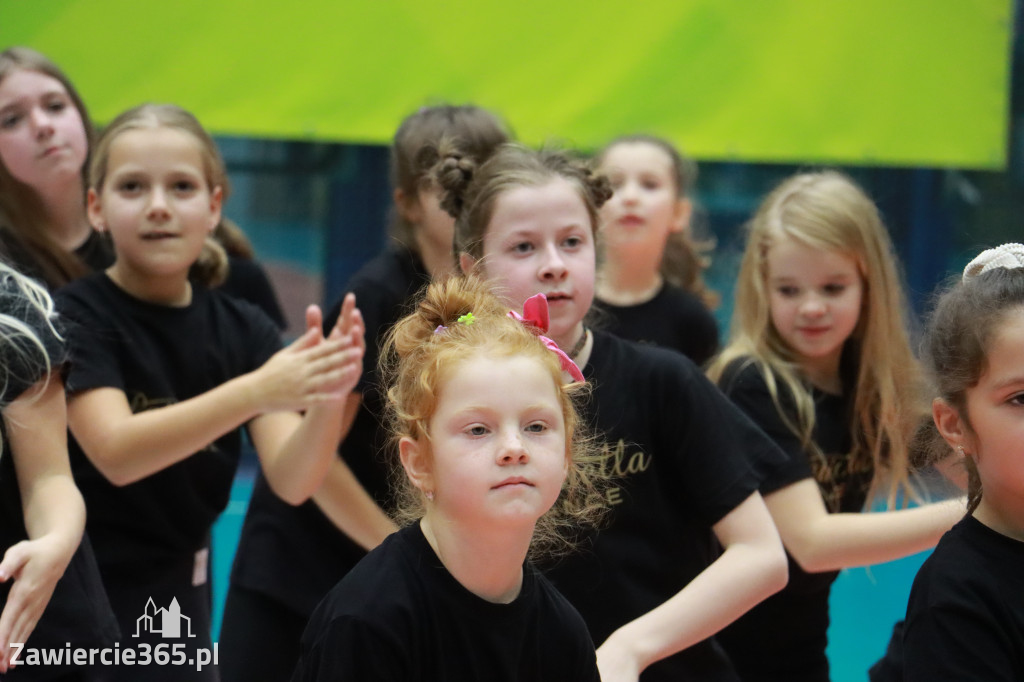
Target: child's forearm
[752,567]
[351,509]
[820,541]
[296,451]
[127,446]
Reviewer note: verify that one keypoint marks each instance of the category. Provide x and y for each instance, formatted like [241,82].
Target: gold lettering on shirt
[618,463]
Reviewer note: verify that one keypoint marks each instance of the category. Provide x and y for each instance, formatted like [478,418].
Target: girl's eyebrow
[1009,381]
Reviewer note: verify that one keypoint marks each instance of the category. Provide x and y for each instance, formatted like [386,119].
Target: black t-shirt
[965,616]
[248,281]
[400,616]
[785,636]
[687,457]
[159,355]
[674,318]
[78,611]
[295,554]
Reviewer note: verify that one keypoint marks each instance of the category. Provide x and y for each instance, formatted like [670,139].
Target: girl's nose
[157,209]
[512,450]
[553,268]
[813,306]
[41,122]
[628,192]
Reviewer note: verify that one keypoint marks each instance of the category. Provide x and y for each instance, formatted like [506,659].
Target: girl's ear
[408,207]
[94,210]
[466,263]
[216,202]
[417,464]
[951,426]
[682,215]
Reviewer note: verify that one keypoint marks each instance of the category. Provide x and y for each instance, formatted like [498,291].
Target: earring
[960,450]
[430,495]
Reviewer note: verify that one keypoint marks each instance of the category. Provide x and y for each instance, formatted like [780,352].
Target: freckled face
[498,440]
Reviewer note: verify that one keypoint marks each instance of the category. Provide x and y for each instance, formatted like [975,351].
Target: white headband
[1007,256]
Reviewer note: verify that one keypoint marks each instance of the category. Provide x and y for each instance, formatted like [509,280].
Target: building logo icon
[166,622]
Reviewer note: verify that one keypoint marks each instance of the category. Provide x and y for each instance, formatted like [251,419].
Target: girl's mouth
[157,235]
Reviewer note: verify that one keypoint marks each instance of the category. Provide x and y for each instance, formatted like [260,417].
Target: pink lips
[514,480]
[630,220]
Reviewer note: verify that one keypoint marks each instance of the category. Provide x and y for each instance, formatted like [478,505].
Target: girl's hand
[35,566]
[314,369]
[616,662]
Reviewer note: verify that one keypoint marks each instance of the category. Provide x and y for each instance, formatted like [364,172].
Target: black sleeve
[725,453]
[350,649]
[745,386]
[92,345]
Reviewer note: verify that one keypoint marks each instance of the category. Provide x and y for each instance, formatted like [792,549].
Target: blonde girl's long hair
[22,213]
[27,308]
[826,210]
[211,269]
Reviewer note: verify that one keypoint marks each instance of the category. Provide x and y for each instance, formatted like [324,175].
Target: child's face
[645,208]
[155,202]
[996,408]
[540,240]
[42,136]
[815,299]
[497,442]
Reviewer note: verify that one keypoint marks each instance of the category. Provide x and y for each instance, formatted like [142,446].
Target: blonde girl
[651,585]
[492,464]
[819,358]
[166,371]
[52,593]
[965,617]
[289,557]
[45,136]
[650,284]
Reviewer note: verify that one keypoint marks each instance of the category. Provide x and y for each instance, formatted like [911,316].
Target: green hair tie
[466,319]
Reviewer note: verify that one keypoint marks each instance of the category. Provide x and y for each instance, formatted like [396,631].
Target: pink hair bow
[535,314]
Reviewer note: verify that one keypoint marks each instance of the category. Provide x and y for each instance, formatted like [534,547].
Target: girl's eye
[184,186]
[834,289]
[129,186]
[788,290]
[477,430]
[651,184]
[56,105]
[8,121]
[573,241]
[537,427]
[522,247]
[1017,399]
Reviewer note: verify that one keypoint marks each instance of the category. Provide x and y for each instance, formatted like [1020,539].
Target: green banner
[901,82]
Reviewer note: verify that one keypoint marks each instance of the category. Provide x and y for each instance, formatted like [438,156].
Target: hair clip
[1007,256]
[466,319]
[535,317]
[440,329]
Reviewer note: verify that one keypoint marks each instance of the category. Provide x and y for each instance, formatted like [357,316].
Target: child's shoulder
[639,358]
